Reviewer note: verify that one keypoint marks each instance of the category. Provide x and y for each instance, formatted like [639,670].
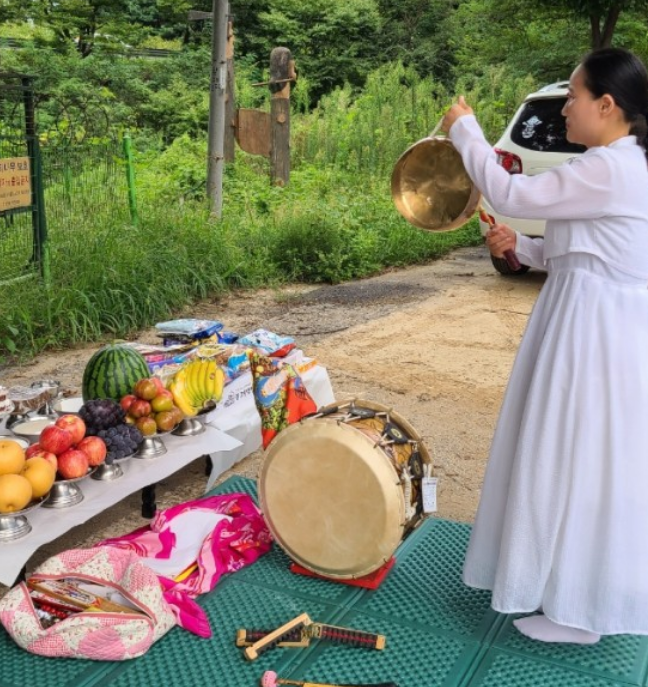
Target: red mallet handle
[511,257]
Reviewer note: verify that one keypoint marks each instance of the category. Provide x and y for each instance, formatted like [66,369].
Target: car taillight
[511,163]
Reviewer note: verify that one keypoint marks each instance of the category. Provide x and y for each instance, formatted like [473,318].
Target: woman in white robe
[562,524]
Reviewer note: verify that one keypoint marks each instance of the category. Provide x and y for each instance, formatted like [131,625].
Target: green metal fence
[23,227]
[79,176]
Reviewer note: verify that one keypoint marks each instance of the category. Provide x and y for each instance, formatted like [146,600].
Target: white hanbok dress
[562,523]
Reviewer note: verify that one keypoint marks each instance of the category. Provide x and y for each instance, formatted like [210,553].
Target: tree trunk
[601,36]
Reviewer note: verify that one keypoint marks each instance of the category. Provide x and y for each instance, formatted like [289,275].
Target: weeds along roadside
[111,279]
[334,222]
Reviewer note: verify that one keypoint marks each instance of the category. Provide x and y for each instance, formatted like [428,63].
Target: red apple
[74,424]
[55,439]
[127,401]
[139,408]
[72,463]
[36,451]
[146,426]
[158,383]
[33,449]
[94,448]
[145,389]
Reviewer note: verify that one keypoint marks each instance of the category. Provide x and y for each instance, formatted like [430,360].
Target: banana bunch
[196,384]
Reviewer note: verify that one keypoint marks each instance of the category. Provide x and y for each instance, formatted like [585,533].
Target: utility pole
[217,90]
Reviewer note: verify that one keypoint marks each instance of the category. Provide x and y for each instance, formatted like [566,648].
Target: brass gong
[431,188]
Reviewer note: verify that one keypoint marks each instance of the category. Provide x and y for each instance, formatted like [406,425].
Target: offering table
[232,431]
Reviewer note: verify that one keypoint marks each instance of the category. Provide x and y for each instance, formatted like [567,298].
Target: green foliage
[374,77]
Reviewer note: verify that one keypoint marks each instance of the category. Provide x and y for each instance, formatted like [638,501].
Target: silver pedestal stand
[152,446]
[15,525]
[190,426]
[66,492]
[108,473]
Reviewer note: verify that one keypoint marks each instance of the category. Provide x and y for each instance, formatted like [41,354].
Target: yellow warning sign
[15,183]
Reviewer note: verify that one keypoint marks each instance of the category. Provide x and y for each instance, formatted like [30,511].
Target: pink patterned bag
[95,635]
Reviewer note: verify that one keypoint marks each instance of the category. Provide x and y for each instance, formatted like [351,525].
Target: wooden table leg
[148,501]
[209,466]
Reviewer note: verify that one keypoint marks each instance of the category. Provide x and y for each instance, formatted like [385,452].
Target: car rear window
[541,127]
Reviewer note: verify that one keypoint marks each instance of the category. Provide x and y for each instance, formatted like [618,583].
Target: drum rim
[400,420]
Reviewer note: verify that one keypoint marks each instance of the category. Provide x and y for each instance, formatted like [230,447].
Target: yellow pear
[41,475]
[15,493]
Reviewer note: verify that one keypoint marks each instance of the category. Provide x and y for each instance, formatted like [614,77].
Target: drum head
[331,499]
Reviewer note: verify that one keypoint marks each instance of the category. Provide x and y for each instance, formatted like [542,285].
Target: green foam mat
[272,571]
[617,657]
[503,669]
[412,657]
[181,659]
[21,669]
[425,589]
[439,632]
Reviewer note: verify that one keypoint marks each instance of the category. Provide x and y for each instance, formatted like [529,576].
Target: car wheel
[503,267]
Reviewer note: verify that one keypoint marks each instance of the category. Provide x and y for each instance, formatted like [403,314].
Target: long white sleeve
[530,251]
[581,189]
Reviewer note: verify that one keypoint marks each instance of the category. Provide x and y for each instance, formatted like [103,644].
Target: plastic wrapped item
[227,337]
[270,343]
[26,398]
[193,328]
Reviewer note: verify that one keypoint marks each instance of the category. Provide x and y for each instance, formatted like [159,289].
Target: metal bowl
[108,473]
[31,427]
[153,446]
[67,406]
[190,426]
[15,525]
[66,492]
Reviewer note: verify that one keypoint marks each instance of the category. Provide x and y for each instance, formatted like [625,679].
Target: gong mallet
[509,255]
[270,679]
[285,632]
[301,636]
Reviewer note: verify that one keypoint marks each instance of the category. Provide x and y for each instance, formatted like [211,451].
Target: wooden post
[282,71]
[230,104]
[216,130]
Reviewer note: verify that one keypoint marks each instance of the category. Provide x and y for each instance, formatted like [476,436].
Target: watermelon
[112,372]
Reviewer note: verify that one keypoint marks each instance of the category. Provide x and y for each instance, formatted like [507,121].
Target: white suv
[533,142]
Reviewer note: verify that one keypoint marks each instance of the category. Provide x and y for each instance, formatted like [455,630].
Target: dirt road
[435,343]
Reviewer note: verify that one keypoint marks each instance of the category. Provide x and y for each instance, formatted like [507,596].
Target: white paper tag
[429,493]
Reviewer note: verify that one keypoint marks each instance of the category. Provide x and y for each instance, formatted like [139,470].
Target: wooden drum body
[340,490]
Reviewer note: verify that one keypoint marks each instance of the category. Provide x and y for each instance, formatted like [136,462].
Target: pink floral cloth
[235,541]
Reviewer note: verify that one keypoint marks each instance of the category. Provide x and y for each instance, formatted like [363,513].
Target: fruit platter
[73,452]
[124,412]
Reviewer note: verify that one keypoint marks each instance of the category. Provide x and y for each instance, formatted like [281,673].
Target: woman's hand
[459,109]
[500,238]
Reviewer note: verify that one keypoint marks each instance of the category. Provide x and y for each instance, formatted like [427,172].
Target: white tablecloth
[233,431]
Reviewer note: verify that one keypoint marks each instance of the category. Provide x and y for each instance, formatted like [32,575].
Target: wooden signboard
[15,183]
[253,131]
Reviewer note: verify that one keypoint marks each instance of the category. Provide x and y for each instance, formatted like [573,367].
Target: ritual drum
[341,489]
